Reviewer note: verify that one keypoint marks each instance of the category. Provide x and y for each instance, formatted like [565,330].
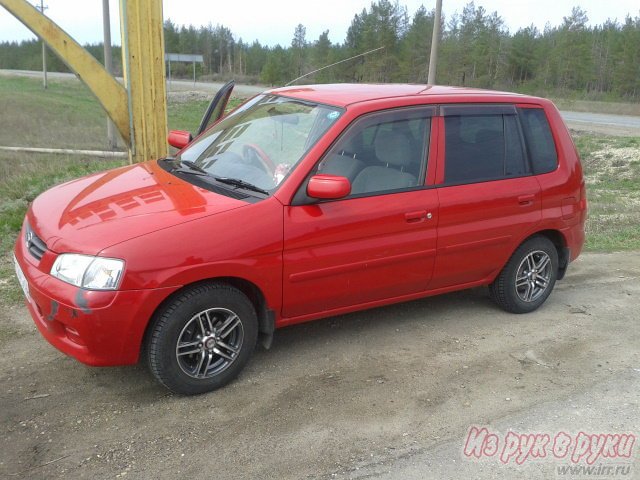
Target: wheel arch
[266,316]
[557,238]
[504,287]
[554,236]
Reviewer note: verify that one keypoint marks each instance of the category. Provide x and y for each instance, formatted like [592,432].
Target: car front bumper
[100,328]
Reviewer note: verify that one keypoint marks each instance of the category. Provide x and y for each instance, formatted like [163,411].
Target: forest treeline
[476,50]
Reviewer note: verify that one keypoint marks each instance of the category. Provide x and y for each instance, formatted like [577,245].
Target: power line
[333,64]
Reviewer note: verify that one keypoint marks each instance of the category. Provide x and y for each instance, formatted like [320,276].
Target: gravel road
[387,393]
[624,125]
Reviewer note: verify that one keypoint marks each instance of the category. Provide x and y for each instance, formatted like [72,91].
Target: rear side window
[540,144]
[482,143]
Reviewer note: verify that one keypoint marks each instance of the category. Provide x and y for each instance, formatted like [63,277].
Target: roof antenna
[333,64]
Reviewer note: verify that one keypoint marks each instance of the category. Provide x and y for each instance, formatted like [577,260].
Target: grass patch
[22,178]
[612,173]
[592,106]
[9,332]
[187,115]
[66,115]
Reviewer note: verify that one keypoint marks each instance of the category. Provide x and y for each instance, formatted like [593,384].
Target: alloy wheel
[209,342]
[533,276]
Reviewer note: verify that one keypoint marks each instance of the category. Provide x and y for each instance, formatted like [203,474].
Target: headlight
[94,273]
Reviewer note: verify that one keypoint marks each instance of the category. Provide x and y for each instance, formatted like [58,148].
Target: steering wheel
[253,152]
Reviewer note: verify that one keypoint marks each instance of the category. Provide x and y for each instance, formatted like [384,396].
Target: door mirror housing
[328,187]
[179,138]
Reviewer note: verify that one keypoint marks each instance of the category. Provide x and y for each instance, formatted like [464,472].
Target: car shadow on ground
[427,311]
[136,381]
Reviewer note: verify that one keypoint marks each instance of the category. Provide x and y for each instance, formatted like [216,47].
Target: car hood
[101,210]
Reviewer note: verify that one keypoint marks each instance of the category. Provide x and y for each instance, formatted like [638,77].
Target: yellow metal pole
[144,76]
[107,90]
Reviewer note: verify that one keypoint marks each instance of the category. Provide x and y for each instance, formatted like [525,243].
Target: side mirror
[328,187]
[179,138]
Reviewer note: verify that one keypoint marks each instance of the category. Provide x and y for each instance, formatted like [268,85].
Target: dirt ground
[386,393]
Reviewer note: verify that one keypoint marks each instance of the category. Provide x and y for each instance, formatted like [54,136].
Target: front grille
[35,245]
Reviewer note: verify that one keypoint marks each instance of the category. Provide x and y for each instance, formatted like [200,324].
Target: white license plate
[21,279]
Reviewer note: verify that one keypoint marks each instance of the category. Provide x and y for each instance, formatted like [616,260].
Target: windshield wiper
[242,184]
[192,167]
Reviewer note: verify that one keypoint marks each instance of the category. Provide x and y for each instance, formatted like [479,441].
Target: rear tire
[528,278]
[201,339]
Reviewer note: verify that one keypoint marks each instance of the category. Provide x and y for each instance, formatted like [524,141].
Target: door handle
[415,217]
[526,199]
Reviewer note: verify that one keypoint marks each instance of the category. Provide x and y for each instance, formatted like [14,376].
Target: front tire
[201,339]
[528,278]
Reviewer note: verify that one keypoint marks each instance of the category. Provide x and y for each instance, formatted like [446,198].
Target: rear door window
[540,144]
[482,142]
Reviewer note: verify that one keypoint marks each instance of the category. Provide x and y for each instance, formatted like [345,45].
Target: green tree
[627,59]
[276,69]
[521,58]
[384,25]
[299,49]
[256,58]
[476,50]
[416,46]
[603,38]
[575,61]
[171,37]
[321,55]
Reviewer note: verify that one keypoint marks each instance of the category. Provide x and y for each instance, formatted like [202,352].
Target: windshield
[261,141]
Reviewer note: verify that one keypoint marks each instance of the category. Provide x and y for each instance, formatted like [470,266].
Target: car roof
[344,94]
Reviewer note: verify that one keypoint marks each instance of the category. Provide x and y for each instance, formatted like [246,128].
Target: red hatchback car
[302,203]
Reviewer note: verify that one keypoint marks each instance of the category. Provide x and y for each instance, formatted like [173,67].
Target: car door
[181,138]
[380,241]
[488,197]
[215,110]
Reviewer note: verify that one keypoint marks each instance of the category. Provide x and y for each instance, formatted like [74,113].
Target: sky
[272,22]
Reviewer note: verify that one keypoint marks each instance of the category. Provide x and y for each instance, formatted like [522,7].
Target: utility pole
[112,140]
[435,42]
[42,8]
